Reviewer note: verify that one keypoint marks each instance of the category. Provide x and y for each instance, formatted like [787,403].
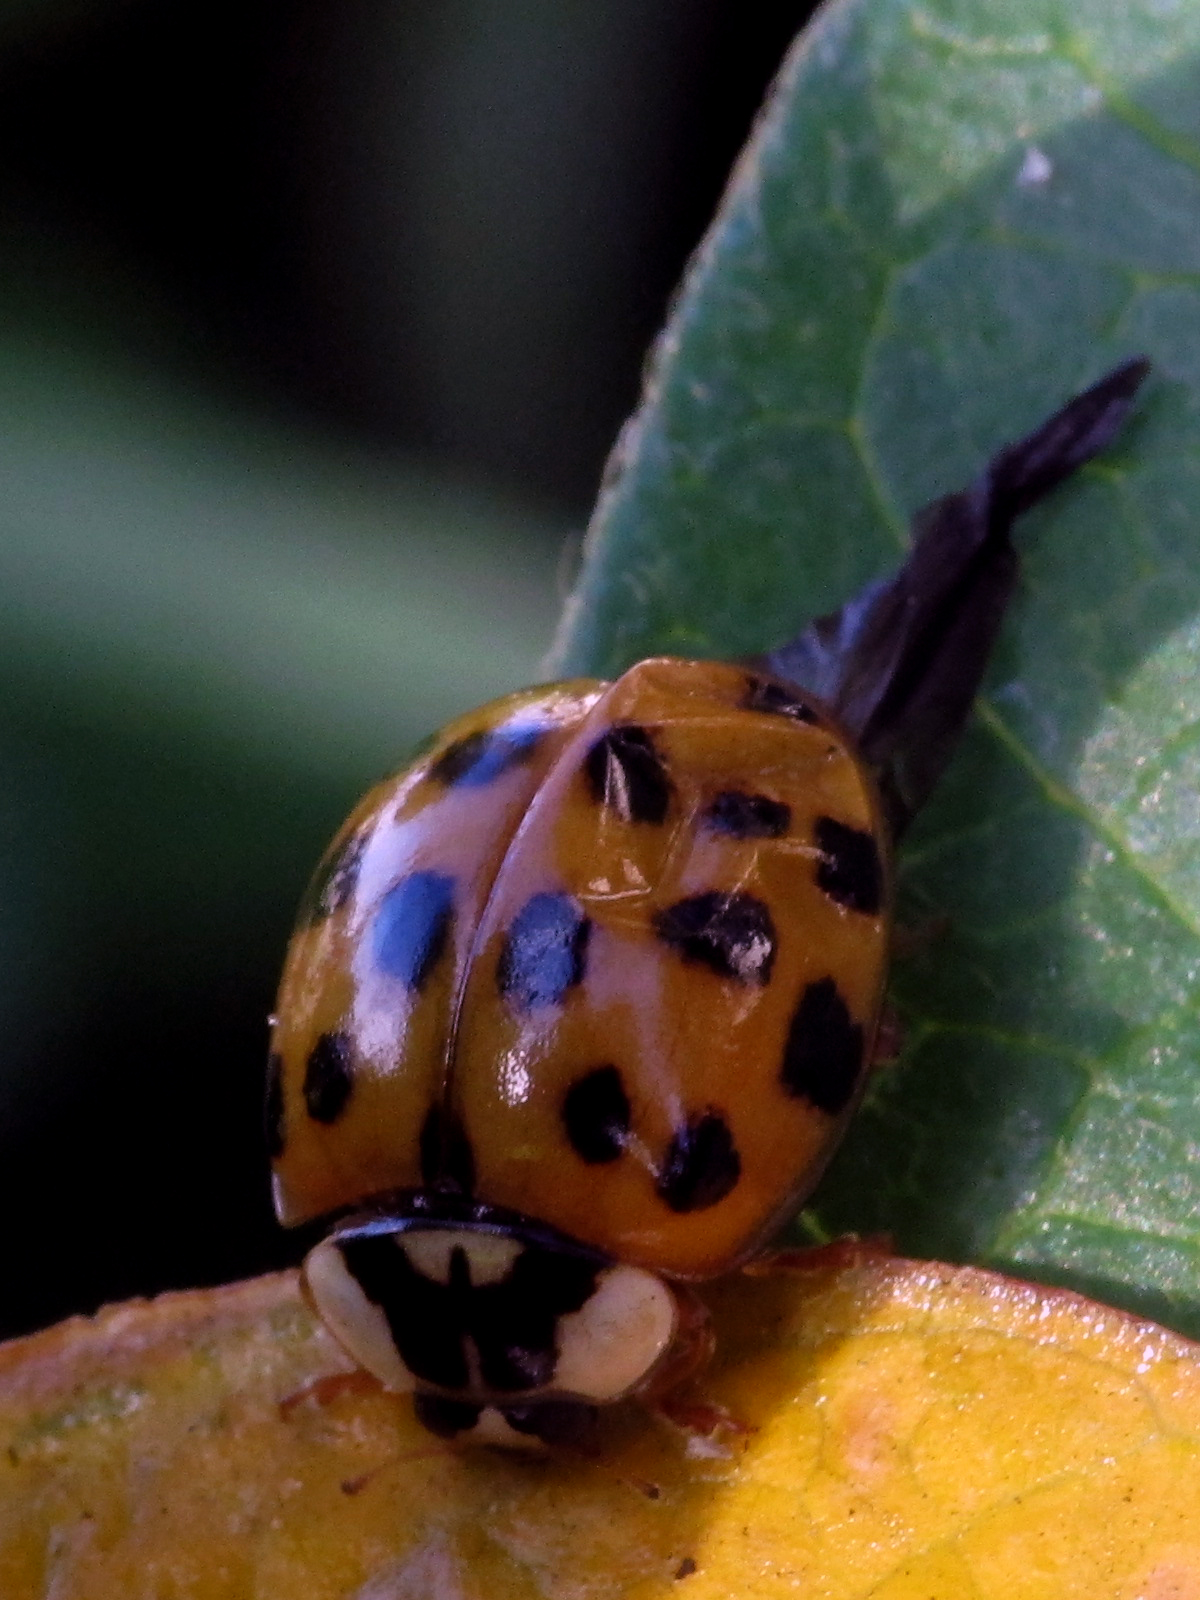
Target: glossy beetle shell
[581,1001]
[607,955]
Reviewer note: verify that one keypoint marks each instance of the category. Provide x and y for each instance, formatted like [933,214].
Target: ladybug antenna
[901,663]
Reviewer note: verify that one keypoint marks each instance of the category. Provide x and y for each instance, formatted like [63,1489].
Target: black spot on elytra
[273,1106]
[763,694]
[824,1052]
[729,932]
[702,1165]
[849,870]
[544,952]
[513,1323]
[328,1077]
[596,1115]
[446,1418]
[626,773]
[334,881]
[447,1160]
[477,759]
[411,926]
[748,816]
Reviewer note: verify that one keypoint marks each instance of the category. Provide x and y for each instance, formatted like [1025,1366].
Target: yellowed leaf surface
[918,1432]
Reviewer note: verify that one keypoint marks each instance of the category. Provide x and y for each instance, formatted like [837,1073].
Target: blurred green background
[316,323]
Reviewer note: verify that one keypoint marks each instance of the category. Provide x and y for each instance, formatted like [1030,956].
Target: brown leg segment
[330,1388]
[690,1354]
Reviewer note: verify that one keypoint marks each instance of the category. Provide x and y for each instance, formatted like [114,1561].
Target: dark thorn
[626,773]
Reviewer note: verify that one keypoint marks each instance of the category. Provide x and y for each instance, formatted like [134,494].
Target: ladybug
[579,1004]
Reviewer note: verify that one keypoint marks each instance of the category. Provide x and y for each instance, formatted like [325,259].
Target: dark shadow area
[439,229]
[445,225]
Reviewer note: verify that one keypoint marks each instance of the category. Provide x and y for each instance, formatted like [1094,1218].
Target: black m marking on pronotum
[512,1323]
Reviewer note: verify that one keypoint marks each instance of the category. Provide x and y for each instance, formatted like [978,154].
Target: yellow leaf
[917,1432]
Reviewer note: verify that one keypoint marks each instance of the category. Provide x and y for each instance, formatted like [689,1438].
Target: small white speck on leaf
[1037,168]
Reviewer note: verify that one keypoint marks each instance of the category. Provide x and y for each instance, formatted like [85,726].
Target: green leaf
[172,558]
[954,215]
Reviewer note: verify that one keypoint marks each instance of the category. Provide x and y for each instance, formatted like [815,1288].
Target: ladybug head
[503,1330]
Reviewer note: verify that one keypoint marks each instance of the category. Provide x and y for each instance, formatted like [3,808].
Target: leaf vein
[1175,146]
[1065,799]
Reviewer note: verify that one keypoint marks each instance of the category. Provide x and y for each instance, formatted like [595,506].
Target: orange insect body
[609,955]
[579,1004]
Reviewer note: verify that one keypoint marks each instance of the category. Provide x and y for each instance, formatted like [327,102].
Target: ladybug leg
[689,1354]
[703,1422]
[332,1386]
